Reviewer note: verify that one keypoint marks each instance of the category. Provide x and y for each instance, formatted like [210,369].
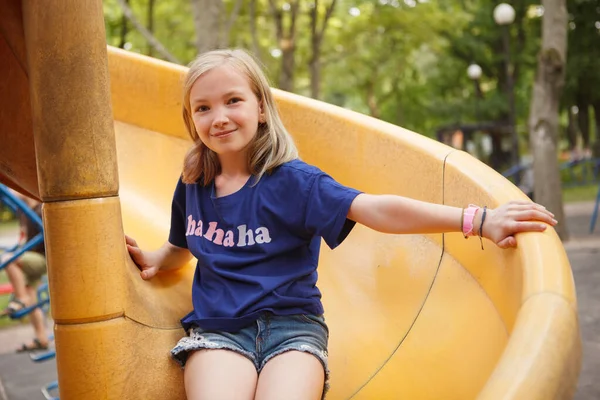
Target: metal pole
[477,97]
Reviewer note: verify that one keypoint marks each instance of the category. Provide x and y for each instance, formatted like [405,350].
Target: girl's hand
[502,223]
[141,259]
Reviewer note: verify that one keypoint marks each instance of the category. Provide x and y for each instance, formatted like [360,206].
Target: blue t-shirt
[258,248]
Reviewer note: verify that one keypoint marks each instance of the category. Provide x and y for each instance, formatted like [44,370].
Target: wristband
[481,226]
[468,217]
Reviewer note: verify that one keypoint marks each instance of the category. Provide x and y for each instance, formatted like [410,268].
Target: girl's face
[225,110]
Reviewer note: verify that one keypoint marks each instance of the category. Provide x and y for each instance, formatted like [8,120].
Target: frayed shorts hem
[311,340]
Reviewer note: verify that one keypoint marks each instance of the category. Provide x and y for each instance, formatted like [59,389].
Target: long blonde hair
[271,146]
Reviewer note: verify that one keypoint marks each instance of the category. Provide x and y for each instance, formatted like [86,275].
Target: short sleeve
[327,210]
[177,232]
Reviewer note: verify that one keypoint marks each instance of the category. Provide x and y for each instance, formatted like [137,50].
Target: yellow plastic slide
[411,317]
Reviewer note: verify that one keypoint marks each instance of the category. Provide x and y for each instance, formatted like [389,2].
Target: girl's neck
[233,177]
[234,166]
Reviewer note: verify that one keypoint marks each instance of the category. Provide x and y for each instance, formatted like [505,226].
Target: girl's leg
[17,279]
[219,375]
[38,320]
[293,375]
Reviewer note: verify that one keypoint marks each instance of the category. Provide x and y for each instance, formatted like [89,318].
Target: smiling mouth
[223,133]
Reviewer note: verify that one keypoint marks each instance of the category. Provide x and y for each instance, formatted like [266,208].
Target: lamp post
[474,73]
[504,15]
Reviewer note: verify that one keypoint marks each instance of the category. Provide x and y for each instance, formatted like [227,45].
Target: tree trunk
[596,143]
[288,63]
[123,29]
[144,32]
[224,35]
[287,43]
[317,34]
[253,31]
[372,99]
[315,74]
[543,121]
[150,23]
[583,117]
[315,71]
[596,106]
[207,16]
[571,129]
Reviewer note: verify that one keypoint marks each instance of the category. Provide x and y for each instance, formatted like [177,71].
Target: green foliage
[583,72]
[173,27]
[403,61]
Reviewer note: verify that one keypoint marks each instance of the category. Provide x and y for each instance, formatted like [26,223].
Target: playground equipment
[575,173]
[14,203]
[43,297]
[595,213]
[579,172]
[425,317]
[52,386]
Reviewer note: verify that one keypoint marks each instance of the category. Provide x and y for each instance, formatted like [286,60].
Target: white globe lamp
[474,72]
[504,14]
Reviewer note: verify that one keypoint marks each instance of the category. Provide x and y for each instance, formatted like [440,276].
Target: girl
[253,215]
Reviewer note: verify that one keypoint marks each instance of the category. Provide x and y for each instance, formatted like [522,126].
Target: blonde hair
[271,146]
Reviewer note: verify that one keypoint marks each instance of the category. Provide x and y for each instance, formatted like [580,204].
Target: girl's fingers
[523,202]
[136,255]
[138,258]
[148,273]
[130,241]
[507,242]
[132,249]
[527,226]
[536,215]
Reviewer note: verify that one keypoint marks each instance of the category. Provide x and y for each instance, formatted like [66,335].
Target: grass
[580,193]
[6,322]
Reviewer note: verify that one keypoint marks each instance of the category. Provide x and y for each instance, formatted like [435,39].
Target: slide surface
[410,316]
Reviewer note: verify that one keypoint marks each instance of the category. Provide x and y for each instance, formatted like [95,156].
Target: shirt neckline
[231,195]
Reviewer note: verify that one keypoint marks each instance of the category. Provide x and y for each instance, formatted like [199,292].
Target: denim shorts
[269,336]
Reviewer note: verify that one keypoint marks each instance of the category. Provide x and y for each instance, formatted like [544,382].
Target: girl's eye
[202,108]
[234,100]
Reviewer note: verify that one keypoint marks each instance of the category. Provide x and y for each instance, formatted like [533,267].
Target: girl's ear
[261,113]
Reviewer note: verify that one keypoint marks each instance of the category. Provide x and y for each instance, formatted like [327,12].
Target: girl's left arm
[396,214]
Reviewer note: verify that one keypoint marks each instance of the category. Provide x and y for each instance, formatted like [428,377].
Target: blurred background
[459,71]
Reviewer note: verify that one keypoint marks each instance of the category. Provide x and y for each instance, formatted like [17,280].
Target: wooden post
[70,99]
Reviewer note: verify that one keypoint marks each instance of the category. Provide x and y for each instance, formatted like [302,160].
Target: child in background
[25,274]
[253,214]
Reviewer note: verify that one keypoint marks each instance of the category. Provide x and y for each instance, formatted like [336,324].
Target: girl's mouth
[223,134]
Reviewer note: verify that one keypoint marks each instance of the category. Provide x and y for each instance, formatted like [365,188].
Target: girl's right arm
[168,257]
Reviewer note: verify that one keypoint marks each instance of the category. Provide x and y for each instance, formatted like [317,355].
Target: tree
[212,23]
[286,38]
[383,59]
[317,32]
[206,22]
[128,13]
[150,23]
[253,31]
[583,74]
[124,28]
[480,41]
[543,121]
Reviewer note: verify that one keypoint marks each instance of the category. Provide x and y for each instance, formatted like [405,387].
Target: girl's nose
[220,119]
